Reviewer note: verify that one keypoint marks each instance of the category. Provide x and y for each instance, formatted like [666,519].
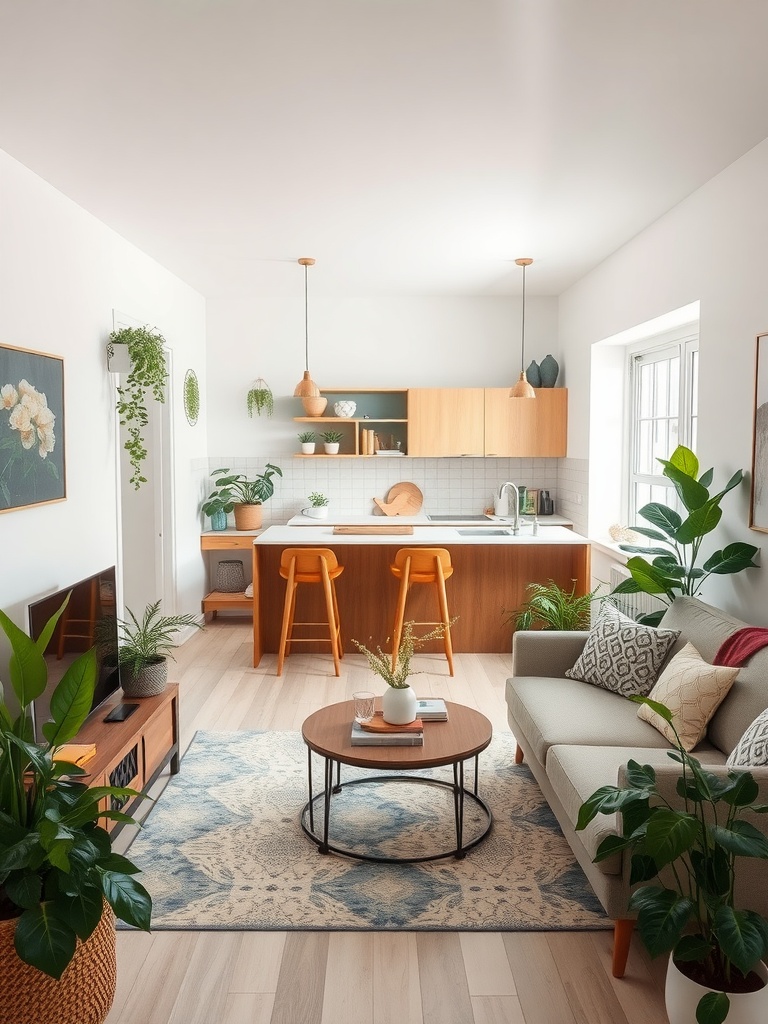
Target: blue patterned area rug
[223,849]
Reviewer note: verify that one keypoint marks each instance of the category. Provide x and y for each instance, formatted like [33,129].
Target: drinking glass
[364,705]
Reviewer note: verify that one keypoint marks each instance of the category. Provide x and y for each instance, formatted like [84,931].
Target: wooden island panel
[488,582]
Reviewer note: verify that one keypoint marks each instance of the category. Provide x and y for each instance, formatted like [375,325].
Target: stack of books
[433,710]
[378,733]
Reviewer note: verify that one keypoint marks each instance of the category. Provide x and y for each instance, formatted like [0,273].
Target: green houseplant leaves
[56,861]
[147,376]
[672,571]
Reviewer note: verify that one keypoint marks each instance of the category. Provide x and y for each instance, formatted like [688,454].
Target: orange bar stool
[309,565]
[422,565]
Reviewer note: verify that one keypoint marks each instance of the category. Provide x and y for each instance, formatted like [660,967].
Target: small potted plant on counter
[332,439]
[307,440]
[247,496]
[318,506]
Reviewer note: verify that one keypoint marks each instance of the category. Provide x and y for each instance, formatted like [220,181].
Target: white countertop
[357,519]
[321,534]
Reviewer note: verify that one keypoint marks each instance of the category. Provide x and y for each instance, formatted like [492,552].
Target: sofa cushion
[692,690]
[575,772]
[622,655]
[752,749]
[547,711]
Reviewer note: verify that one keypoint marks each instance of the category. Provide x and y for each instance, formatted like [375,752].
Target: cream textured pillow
[693,691]
[622,655]
[752,749]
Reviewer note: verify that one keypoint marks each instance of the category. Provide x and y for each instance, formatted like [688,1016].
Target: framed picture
[758,508]
[31,428]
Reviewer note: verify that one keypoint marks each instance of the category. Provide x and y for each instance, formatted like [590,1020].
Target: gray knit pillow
[752,749]
[622,655]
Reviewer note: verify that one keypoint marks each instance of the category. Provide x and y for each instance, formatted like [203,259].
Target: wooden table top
[465,734]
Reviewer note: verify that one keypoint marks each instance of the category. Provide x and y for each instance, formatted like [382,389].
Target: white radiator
[632,605]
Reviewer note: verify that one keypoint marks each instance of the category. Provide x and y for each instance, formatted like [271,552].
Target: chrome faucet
[516,515]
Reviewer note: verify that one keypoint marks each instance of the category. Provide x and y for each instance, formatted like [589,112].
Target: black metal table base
[323,800]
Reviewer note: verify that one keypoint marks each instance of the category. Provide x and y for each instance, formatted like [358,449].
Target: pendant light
[522,389]
[306,388]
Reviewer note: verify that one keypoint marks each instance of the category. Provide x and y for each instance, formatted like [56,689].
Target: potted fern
[550,606]
[60,882]
[693,842]
[144,648]
[147,376]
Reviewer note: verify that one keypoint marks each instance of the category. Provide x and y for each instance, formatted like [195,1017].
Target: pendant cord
[522,328]
[306,322]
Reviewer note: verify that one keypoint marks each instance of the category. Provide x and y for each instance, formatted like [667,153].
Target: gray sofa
[576,737]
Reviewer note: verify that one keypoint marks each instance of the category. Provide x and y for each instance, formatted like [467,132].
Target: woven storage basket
[230,576]
[83,994]
[248,517]
[150,681]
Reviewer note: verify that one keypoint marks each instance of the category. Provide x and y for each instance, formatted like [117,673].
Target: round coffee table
[462,738]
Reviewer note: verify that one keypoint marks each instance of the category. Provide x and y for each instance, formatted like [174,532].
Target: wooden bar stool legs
[310,565]
[422,565]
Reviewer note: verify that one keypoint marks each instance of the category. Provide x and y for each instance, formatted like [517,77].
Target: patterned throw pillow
[752,749]
[693,690]
[622,655]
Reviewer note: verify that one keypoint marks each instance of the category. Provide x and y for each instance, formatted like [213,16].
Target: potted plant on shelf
[672,571]
[332,439]
[144,648]
[318,506]
[147,376]
[552,607]
[260,398]
[219,503]
[307,439]
[716,950]
[399,704]
[59,879]
[246,496]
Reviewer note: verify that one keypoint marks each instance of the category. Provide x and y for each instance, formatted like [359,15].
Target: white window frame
[683,342]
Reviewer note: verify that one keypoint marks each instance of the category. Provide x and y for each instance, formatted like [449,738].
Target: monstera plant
[672,571]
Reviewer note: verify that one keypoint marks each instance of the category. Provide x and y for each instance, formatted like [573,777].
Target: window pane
[644,458]
[674,386]
[646,390]
[661,382]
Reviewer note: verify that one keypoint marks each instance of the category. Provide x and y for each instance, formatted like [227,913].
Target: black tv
[90,619]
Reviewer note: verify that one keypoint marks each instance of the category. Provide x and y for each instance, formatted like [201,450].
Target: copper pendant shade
[306,388]
[522,389]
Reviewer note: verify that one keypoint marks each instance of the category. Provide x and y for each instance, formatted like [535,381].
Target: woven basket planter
[83,994]
[150,681]
[248,517]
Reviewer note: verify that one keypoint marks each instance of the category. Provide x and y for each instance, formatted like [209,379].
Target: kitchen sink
[483,531]
[459,519]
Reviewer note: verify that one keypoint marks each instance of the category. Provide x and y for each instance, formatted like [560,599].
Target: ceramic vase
[533,374]
[398,705]
[219,520]
[548,371]
[331,447]
[682,997]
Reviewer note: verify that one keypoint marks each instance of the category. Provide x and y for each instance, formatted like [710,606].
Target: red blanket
[741,645]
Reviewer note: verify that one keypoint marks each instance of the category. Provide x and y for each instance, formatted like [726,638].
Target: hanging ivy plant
[191,397]
[260,398]
[148,375]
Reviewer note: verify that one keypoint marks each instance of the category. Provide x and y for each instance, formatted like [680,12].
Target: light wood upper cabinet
[446,421]
[526,427]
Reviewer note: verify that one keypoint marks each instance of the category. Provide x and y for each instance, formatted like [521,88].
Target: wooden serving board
[403,499]
[374,529]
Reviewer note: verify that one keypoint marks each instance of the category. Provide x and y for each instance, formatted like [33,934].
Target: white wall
[61,274]
[711,248]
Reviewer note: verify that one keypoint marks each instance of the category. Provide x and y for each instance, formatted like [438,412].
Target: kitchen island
[491,570]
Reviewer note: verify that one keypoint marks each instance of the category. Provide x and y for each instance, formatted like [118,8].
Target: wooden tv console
[133,753]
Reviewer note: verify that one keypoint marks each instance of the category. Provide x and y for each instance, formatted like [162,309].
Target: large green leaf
[739,790]
[706,478]
[71,700]
[28,671]
[44,940]
[740,935]
[692,947]
[689,490]
[607,800]
[713,1008]
[643,549]
[669,834]
[742,839]
[24,888]
[733,558]
[699,523]
[130,900]
[47,631]
[682,458]
[650,579]
[662,516]
[83,911]
[662,916]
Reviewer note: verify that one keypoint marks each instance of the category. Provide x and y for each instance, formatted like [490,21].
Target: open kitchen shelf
[383,410]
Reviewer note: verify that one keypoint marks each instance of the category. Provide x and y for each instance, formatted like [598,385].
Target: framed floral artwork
[758,506]
[31,428]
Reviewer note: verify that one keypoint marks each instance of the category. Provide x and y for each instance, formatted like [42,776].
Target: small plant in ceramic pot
[144,648]
[695,843]
[307,439]
[331,439]
[318,506]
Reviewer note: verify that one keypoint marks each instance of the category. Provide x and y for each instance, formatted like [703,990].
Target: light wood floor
[361,977]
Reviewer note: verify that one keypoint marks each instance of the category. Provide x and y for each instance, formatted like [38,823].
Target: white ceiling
[408,145]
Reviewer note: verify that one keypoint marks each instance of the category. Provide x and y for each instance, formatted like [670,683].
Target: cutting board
[403,499]
[374,529]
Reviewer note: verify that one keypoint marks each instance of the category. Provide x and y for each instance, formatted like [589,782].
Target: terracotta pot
[83,994]
[248,517]
[682,997]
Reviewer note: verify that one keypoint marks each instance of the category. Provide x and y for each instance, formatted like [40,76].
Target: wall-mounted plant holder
[191,397]
[118,358]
